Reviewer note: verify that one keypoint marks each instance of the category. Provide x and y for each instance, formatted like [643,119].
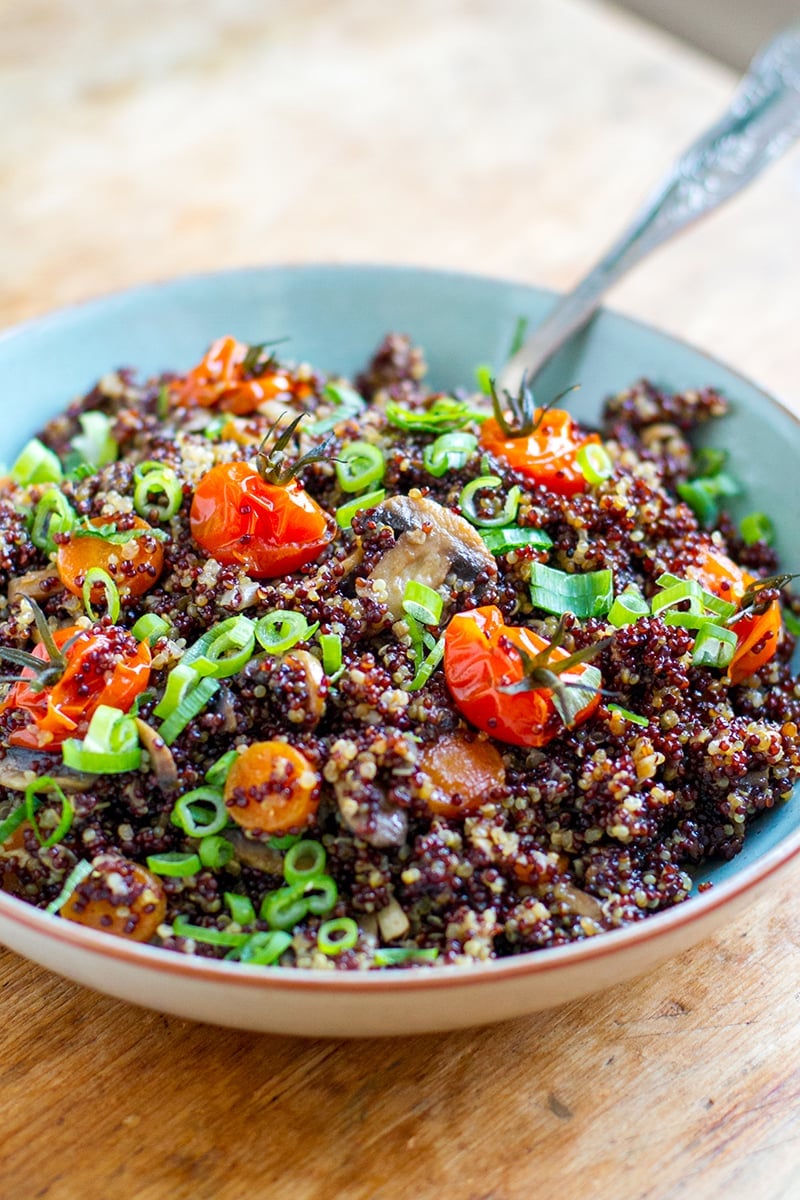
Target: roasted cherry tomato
[547,454]
[758,634]
[103,666]
[480,661]
[223,379]
[272,787]
[134,565]
[119,897]
[463,773]
[269,529]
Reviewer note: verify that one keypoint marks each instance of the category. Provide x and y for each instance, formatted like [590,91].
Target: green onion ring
[174,864]
[278,631]
[53,514]
[96,577]
[449,452]
[333,937]
[191,812]
[359,464]
[469,507]
[308,851]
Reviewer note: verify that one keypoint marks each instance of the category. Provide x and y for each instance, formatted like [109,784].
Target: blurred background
[728,29]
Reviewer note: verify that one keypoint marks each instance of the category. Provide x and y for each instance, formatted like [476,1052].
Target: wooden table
[507,136]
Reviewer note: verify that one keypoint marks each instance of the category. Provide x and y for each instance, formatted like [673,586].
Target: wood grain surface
[514,137]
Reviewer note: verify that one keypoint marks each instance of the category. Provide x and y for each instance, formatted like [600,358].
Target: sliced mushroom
[376,822]
[36,585]
[431,544]
[163,763]
[316,685]
[578,901]
[253,853]
[224,706]
[21,767]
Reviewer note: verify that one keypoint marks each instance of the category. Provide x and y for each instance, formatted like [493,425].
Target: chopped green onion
[200,813]
[449,452]
[469,503]
[174,864]
[304,860]
[156,479]
[358,465]
[150,627]
[422,603]
[628,607]
[217,773]
[588,595]
[265,948]
[594,462]
[714,646]
[703,495]
[687,590]
[212,937]
[348,403]
[345,512]
[110,747]
[443,416]
[628,716]
[73,881]
[96,577]
[47,784]
[335,936]
[191,705]
[757,527]
[514,537]
[241,907]
[427,667]
[36,464]
[213,430]
[223,650]
[12,822]
[708,460]
[95,444]
[53,514]
[285,842]
[215,852]
[114,536]
[700,599]
[483,377]
[181,681]
[278,631]
[284,908]
[331,646]
[790,620]
[391,956]
[322,893]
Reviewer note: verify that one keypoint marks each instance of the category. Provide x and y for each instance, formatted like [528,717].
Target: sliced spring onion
[449,452]
[347,403]
[53,514]
[36,463]
[73,881]
[223,650]
[422,603]
[331,646]
[628,716]
[391,956]
[321,894]
[444,416]
[217,773]
[47,784]
[714,646]
[708,460]
[212,937]
[265,948]
[345,512]
[192,704]
[704,493]
[677,592]
[278,631]
[628,607]
[790,620]
[335,936]
[285,842]
[150,627]
[152,479]
[514,537]
[110,747]
[200,813]
[12,822]
[358,465]
[588,595]
[757,527]
[284,908]
[724,609]
[484,375]
[174,864]
[110,533]
[427,667]
[94,443]
[470,505]
[215,852]
[96,577]
[181,681]
[594,462]
[242,911]
[304,860]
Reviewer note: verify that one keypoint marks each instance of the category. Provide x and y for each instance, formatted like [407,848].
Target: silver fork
[762,121]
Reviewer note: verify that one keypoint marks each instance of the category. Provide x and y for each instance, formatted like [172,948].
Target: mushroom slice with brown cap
[21,767]
[431,544]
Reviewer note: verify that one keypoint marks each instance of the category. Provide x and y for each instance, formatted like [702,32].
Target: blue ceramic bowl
[334,316]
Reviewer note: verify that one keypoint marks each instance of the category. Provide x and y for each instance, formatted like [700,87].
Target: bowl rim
[657,926]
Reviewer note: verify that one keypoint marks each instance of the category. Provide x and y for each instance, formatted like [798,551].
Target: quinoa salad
[350,674]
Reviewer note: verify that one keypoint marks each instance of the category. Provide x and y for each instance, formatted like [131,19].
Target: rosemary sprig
[543,671]
[254,361]
[274,464]
[749,602]
[517,415]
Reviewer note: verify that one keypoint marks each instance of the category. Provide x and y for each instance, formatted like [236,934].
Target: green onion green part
[587,595]
[515,537]
[483,377]
[345,512]
[174,864]
[391,956]
[704,494]
[422,603]
[110,747]
[449,452]
[714,646]
[333,937]
[347,404]
[47,784]
[241,908]
[53,514]
[628,607]
[628,716]
[36,464]
[304,860]
[150,627]
[212,937]
[594,462]
[215,852]
[153,479]
[191,705]
[331,646]
[200,813]
[757,527]
[217,773]
[444,416]
[427,667]
[96,577]
[223,650]
[265,948]
[278,631]
[358,465]
[12,822]
[94,443]
[476,514]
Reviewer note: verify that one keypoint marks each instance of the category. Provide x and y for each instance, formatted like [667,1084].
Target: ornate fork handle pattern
[761,122]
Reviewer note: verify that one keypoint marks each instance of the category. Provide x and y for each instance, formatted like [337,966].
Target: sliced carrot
[119,897]
[273,788]
[463,773]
